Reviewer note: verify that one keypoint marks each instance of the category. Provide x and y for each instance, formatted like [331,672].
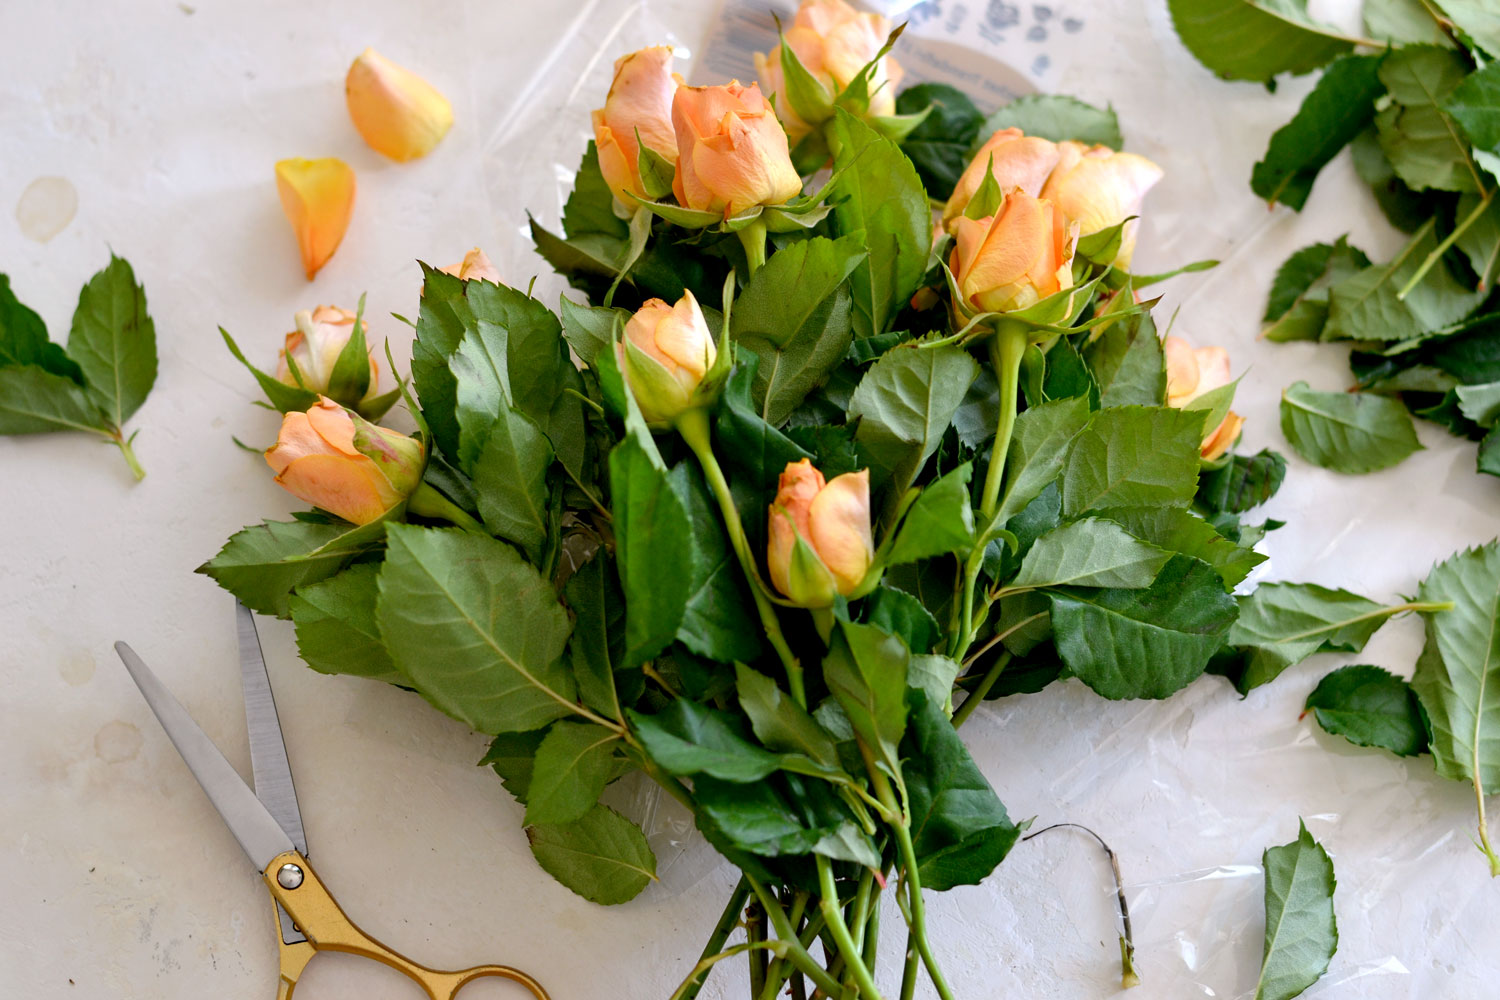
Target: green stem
[693,426]
[918,911]
[755,933]
[976,697]
[689,987]
[1484,831]
[1447,244]
[829,905]
[728,920]
[428,502]
[119,440]
[1007,348]
[861,911]
[753,239]
[794,948]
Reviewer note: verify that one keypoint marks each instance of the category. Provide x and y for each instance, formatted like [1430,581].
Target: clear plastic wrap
[1189,791]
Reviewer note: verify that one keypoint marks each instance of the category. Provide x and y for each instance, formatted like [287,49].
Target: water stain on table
[46,207]
[116,742]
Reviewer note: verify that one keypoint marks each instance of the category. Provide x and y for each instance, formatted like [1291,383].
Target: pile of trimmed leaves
[1418,103]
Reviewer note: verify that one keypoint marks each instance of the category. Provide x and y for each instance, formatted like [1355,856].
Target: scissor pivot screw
[289,876]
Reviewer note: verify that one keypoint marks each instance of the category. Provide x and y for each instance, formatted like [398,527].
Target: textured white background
[121,882]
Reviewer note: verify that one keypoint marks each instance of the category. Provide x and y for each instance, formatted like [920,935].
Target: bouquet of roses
[802,481]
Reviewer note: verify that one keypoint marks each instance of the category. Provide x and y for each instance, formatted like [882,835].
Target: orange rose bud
[314,347]
[834,42]
[397,112]
[318,198]
[820,543]
[664,355]
[639,101]
[344,464]
[1098,187]
[1014,159]
[1192,373]
[731,151]
[1013,259]
[475,266]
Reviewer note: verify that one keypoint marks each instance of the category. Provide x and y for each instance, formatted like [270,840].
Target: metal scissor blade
[268,761]
[253,826]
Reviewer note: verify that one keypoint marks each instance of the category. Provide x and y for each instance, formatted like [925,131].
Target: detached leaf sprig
[94,385]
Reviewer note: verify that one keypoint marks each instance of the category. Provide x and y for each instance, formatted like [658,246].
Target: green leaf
[933,674]
[939,146]
[940,521]
[597,645]
[1458,677]
[1404,22]
[779,722]
[350,379]
[902,615]
[1347,432]
[479,632]
[1147,643]
[1480,403]
[687,738]
[114,341]
[1128,363]
[284,398]
[590,205]
[866,671]
[1370,707]
[1056,117]
[745,438]
[263,563]
[35,401]
[1176,530]
[573,764]
[1297,308]
[1422,142]
[1336,110]
[1282,624]
[653,546]
[772,819]
[1475,105]
[1478,20]
[336,628]
[1067,375]
[513,756]
[23,339]
[959,827]
[795,315]
[904,404]
[589,329]
[1301,932]
[603,857]
[1365,306]
[1243,482]
[1255,39]
[1038,448]
[510,476]
[1090,553]
[1133,456]
[1406,209]
[444,315]
[879,199]
[1488,458]
[1480,243]
[718,621]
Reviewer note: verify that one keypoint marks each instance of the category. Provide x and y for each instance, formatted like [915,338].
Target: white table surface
[121,882]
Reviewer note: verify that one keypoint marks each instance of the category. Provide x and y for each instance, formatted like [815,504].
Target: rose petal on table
[397,112]
[318,199]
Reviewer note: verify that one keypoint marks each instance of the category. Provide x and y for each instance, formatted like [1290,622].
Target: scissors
[268,825]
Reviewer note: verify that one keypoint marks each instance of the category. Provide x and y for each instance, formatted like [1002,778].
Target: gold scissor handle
[295,885]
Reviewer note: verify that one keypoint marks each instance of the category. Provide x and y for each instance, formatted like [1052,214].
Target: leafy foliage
[1255,39]
[1301,931]
[1346,432]
[1370,707]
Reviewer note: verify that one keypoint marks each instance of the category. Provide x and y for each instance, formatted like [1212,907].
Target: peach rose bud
[639,103]
[1013,259]
[1098,187]
[344,464]
[833,41]
[731,151]
[664,355]
[1190,374]
[314,347]
[1014,159]
[819,538]
[475,266]
[318,198]
[397,112]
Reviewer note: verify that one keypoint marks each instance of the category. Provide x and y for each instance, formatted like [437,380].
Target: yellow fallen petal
[398,113]
[318,198]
